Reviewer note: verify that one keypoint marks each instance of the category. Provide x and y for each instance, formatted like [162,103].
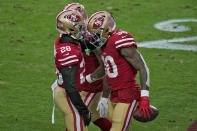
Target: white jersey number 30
[110,66]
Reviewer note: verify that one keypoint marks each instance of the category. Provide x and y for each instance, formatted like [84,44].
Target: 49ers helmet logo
[73,18]
[98,22]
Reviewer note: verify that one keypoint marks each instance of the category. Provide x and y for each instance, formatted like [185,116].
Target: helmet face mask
[70,22]
[101,24]
[96,39]
[80,33]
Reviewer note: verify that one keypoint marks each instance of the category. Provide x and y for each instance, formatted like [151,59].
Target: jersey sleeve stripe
[125,44]
[71,61]
[123,40]
[69,57]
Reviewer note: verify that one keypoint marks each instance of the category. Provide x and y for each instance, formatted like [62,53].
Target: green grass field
[27,35]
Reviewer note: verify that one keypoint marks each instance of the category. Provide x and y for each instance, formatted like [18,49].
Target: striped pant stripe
[77,118]
[129,115]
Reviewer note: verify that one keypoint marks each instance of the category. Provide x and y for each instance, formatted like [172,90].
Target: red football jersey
[67,54]
[121,76]
[91,64]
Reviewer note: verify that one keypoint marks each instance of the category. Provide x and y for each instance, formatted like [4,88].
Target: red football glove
[144,106]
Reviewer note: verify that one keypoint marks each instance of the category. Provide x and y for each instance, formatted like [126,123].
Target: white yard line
[170,25]
[169,44]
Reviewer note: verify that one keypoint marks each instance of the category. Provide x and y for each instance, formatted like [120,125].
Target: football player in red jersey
[70,70]
[122,61]
[91,93]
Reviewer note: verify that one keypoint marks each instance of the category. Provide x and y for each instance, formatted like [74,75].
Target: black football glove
[86,115]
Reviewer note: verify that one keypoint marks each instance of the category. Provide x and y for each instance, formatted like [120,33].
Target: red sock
[66,129]
[103,123]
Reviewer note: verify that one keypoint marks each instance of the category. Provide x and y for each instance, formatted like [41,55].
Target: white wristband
[144,93]
[88,78]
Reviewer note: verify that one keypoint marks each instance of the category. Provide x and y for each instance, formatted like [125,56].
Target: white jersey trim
[69,57]
[71,61]
[123,40]
[129,43]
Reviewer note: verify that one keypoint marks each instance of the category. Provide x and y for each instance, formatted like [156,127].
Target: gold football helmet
[101,24]
[78,7]
[70,22]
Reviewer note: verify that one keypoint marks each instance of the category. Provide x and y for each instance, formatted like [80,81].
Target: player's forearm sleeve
[77,102]
[69,76]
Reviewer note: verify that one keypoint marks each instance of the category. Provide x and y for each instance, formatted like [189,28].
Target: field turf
[27,35]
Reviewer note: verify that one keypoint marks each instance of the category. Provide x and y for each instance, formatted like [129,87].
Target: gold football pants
[91,100]
[72,119]
[121,114]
